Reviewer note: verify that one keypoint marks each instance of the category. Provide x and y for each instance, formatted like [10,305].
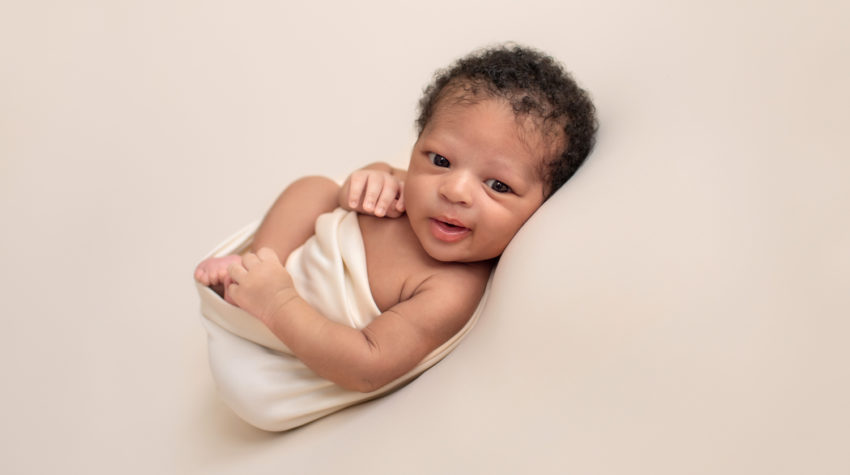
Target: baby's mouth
[448,231]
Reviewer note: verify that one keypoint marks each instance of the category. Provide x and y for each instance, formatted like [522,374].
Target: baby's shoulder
[443,297]
[461,274]
[446,285]
[455,284]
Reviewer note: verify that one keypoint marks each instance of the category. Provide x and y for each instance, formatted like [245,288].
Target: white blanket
[256,373]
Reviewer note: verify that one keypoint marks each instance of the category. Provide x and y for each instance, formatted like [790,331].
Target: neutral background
[681,306]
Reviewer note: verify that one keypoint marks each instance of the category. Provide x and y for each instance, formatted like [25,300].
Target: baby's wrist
[280,309]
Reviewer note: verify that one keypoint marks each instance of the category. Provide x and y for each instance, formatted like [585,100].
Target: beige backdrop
[680,307]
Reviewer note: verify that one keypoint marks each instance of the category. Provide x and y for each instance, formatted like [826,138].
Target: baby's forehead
[542,138]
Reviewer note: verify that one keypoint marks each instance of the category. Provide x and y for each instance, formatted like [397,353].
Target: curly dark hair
[535,86]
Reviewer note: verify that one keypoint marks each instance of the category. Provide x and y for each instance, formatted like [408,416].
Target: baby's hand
[260,284]
[374,192]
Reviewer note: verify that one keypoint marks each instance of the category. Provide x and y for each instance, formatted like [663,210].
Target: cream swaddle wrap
[256,373]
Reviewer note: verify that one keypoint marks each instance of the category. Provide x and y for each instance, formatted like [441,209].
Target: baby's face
[473,180]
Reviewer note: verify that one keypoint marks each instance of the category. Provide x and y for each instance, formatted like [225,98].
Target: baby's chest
[395,262]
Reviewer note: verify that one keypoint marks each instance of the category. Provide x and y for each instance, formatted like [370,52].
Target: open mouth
[446,231]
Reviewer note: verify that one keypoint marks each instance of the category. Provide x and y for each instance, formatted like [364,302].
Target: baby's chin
[449,254]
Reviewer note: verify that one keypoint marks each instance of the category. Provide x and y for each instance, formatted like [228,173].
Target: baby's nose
[457,188]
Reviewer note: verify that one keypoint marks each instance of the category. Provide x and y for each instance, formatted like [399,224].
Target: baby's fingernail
[353,203]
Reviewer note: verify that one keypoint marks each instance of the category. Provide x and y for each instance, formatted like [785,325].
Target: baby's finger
[388,194]
[374,185]
[399,204]
[356,183]
[393,213]
[232,289]
[249,260]
[237,272]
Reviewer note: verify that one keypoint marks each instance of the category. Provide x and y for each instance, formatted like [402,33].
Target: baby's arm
[375,189]
[360,360]
[292,218]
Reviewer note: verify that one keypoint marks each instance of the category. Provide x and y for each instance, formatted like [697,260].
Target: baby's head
[540,93]
[499,132]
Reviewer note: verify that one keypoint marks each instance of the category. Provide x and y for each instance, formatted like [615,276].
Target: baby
[499,132]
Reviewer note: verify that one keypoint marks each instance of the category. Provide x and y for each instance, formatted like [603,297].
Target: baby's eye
[438,160]
[498,186]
